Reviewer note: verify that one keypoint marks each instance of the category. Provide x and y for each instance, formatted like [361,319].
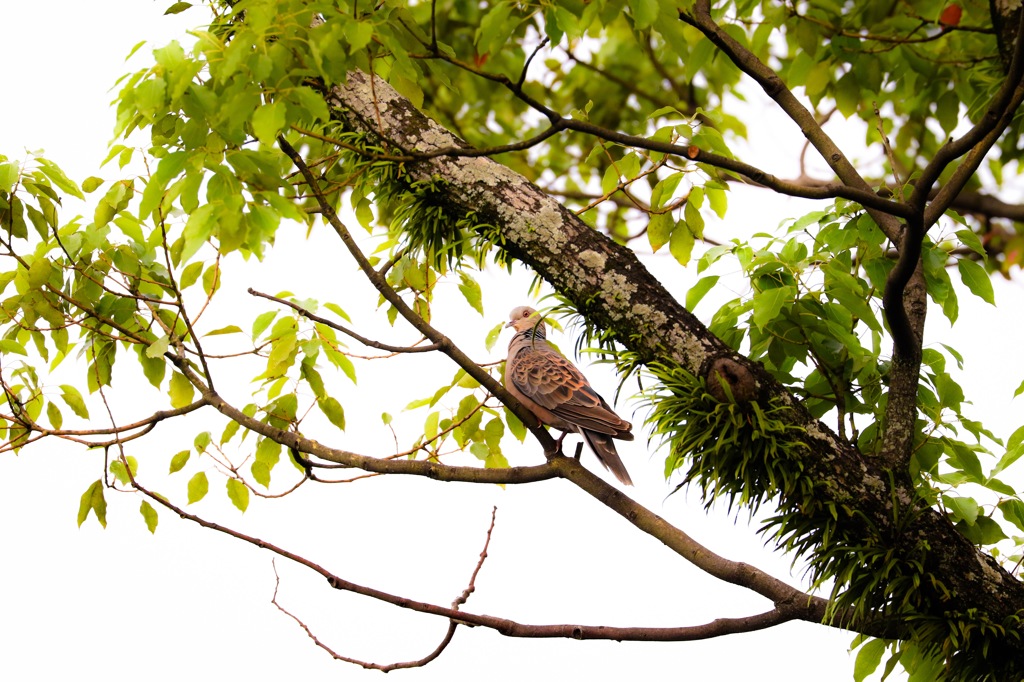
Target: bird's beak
[511,323]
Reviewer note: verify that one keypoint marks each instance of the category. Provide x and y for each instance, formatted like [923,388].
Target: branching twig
[344,330]
[471,587]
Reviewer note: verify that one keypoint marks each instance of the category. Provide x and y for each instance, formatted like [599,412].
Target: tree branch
[505,626]
[344,330]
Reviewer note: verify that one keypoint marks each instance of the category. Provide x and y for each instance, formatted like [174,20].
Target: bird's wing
[554,383]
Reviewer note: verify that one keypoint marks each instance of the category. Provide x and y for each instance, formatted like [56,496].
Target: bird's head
[524,317]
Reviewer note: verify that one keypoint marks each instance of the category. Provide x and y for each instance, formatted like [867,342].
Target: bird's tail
[604,447]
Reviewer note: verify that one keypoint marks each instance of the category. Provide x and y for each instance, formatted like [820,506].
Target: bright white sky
[120,604]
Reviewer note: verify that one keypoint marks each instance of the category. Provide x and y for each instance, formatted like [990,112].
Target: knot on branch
[725,376]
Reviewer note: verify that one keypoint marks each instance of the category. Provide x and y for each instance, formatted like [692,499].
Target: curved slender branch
[414,467]
[510,628]
[853,186]
[344,330]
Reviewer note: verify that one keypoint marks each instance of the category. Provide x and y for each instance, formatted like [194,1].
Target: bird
[558,394]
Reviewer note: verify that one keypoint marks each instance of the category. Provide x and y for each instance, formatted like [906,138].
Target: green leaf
[313,378]
[645,12]
[847,95]
[262,322]
[71,396]
[492,336]
[976,279]
[177,8]
[54,415]
[180,390]
[966,460]
[493,432]
[610,180]
[9,173]
[311,103]
[154,369]
[768,304]
[1013,511]
[158,347]
[515,426]
[57,177]
[964,508]
[358,35]
[659,229]
[179,461]
[198,486]
[495,28]
[665,189]
[190,275]
[198,229]
[230,329]
[238,493]
[681,243]
[8,346]
[336,309]
[698,290]
[261,473]
[340,360]
[868,658]
[480,450]
[495,460]
[93,500]
[947,111]
[202,441]
[268,121]
[211,279]
[718,199]
[91,184]
[430,426]
[229,432]
[471,291]
[333,410]
[149,515]
[971,240]
[120,473]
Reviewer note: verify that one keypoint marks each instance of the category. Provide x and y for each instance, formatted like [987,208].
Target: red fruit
[951,15]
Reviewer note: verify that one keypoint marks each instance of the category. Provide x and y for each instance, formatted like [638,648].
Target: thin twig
[345,330]
[471,587]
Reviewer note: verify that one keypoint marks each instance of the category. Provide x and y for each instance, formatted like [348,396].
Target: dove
[558,394]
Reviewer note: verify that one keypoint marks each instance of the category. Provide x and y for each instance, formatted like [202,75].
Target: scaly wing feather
[557,385]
